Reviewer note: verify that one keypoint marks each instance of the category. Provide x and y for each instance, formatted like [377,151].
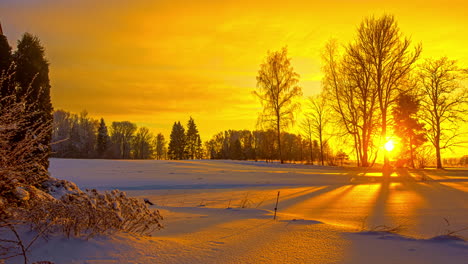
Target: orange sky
[156,62]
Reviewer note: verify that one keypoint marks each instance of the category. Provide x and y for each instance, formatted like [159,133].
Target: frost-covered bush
[90,213]
[20,161]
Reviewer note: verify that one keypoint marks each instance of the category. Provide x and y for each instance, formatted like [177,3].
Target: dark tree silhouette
[318,118]
[193,141]
[122,134]
[444,102]
[178,142]
[102,141]
[160,147]
[32,78]
[6,67]
[142,147]
[407,126]
[308,132]
[374,68]
[277,84]
[387,61]
[347,83]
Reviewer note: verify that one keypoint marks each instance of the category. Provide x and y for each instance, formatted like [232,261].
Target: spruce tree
[177,144]
[199,148]
[5,67]
[32,80]
[193,139]
[102,139]
[407,127]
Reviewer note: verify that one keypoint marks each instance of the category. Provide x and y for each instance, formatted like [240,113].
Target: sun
[390,145]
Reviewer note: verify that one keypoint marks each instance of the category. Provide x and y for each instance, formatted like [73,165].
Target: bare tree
[444,102]
[318,118]
[160,147]
[386,59]
[277,84]
[121,137]
[308,132]
[348,84]
[142,147]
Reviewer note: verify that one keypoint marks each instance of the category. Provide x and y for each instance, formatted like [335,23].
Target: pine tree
[407,126]
[193,140]
[102,139]
[177,144]
[32,79]
[199,148]
[5,67]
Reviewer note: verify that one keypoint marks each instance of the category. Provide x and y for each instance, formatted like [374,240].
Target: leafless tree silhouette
[386,58]
[277,84]
[444,102]
[348,84]
[318,118]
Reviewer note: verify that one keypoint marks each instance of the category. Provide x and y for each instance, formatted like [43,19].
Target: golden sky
[156,62]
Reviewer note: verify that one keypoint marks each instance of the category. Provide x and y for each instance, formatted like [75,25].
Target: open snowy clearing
[222,212]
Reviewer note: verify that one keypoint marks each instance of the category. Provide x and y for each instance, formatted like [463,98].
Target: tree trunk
[437,146]
[279,139]
[364,151]
[411,154]
[321,149]
[365,159]
[358,160]
[311,152]
[438,157]
[384,136]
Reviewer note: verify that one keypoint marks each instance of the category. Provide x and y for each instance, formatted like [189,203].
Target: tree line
[262,145]
[80,136]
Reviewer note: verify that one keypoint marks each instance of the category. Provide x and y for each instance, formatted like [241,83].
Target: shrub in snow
[90,213]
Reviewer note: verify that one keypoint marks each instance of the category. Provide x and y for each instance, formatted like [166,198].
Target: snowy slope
[322,214]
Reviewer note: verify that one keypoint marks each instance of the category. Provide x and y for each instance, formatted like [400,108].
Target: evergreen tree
[199,148]
[5,67]
[32,79]
[193,140]
[102,139]
[407,126]
[177,144]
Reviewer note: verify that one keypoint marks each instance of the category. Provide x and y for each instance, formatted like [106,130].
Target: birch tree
[277,89]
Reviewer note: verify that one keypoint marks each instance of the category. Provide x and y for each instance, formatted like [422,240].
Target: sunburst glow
[390,145]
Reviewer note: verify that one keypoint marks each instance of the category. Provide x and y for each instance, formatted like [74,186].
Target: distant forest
[80,136]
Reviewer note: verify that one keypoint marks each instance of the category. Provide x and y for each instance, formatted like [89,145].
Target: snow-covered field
[222,212]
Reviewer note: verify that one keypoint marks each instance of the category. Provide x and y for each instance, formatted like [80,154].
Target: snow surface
[222,212]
